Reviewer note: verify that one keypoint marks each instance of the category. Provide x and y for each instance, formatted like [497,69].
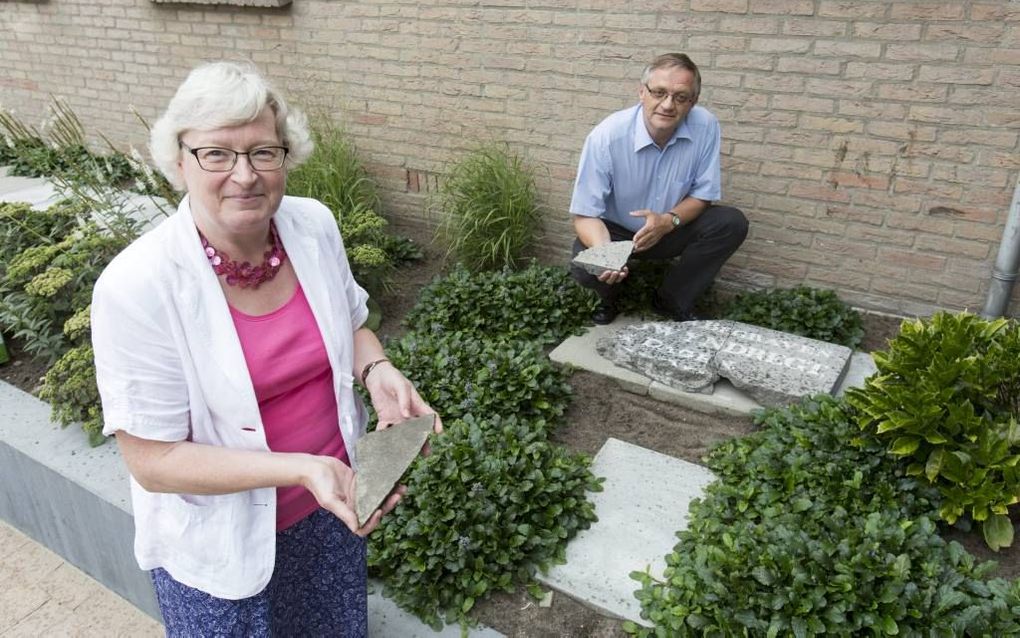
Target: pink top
[293,382]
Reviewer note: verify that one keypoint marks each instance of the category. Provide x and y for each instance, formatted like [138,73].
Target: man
[650,173]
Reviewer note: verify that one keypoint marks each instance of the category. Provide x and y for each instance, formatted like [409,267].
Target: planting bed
[599,410]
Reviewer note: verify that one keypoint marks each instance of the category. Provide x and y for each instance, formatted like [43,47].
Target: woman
[227,342]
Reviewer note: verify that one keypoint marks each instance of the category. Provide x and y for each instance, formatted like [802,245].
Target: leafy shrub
[805,311]
[22,227]
[460,375]
[336,177]
[493,502]
[947,399]
[46,284]
[805,535]
[489,208]
[539,303]
[70,387]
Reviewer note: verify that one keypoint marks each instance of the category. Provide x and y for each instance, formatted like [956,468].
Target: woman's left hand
[395,399]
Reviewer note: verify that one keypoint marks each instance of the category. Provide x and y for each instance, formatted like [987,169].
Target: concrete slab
[13,183]
[643,504]
[580,351]
[40,194]
[862,366]
[386,620]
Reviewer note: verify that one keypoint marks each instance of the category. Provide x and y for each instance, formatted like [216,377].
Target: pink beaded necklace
[244,274]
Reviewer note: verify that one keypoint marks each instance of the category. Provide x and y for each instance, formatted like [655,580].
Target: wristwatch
[676,220]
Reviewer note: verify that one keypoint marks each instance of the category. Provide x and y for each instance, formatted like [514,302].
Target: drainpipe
[1007,264]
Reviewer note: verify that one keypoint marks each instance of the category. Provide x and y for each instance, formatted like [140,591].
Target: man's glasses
[221,160]
[678,98]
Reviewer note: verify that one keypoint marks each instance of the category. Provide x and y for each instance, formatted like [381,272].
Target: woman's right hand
[331,482]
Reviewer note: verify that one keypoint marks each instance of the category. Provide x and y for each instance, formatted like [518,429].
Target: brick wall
[874,145]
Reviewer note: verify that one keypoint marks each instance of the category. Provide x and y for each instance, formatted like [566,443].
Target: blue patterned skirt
[318,588]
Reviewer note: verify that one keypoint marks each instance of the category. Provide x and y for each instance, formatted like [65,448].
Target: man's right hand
[593,232]
[613,277]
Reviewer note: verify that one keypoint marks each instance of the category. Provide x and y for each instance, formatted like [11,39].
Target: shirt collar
[643,139]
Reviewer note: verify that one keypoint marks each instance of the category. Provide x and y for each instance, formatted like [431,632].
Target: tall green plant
[947,399]
[62,155]
[489,208]
[335,176]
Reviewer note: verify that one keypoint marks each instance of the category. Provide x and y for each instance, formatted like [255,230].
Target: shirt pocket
[204,529]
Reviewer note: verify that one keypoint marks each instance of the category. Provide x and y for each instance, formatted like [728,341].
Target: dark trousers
[701,248]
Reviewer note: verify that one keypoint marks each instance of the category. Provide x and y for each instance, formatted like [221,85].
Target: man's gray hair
[219,95]
[673,60]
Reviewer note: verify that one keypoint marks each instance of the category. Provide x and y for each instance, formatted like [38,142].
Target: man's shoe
[676,315]
[604,314]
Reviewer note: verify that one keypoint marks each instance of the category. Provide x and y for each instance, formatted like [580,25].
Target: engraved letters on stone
[774,368]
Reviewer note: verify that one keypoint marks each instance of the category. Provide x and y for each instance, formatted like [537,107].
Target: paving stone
[105,613]
[386,620]
[17,602]
[29,564]
[40,195]
[862,366]
[383,457]
[67,585]
[643,504]
[772,367]
[611,256]
[52,619]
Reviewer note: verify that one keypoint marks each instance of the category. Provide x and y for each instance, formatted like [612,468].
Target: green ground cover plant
[809,312]
[459,375]
[493,502]
[946,399]
[335,176]
[489,208]
[804,534]
[538,303]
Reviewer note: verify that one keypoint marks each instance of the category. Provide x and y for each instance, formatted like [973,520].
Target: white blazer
[169,366]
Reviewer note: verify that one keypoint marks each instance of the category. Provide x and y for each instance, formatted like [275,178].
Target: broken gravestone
[611,256]
[383,457]
[774,368]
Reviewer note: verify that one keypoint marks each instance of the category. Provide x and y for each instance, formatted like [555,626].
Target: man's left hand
[656,227]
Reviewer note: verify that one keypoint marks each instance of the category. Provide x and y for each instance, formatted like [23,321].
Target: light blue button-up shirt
[622,169]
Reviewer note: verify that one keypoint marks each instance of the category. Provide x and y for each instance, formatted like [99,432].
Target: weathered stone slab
[675,354]
[383,457]
[774,368]
[777,368]
[611,256]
